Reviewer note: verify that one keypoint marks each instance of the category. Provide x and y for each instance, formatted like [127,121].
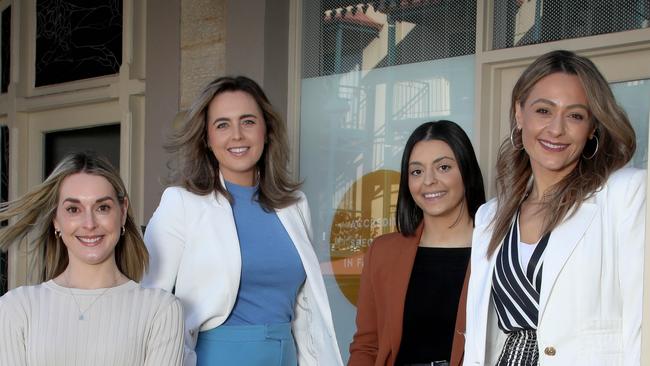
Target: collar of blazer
[404,260]
[561,244]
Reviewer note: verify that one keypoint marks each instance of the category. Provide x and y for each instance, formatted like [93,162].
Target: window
[77,40]
[4,196]
[524,22]
[371,73]
[5,48]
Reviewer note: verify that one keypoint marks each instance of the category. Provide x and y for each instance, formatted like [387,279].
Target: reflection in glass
[342,36]
[634,97]
[524,22]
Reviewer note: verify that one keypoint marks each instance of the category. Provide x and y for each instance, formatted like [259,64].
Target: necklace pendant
[81,317]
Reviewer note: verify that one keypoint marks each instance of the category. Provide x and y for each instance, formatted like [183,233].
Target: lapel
[227,227]
[482,272]
[401,275]
[561,244]
[297,226]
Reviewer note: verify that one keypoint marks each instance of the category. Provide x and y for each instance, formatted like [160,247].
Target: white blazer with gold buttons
[194,248]
[591,296]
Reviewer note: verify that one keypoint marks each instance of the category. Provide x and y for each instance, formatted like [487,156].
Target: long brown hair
[616,145]
[195,168]
[35,212]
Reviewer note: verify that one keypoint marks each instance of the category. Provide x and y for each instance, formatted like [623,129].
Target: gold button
[549,351]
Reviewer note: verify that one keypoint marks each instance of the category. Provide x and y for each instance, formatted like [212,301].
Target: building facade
[351,78]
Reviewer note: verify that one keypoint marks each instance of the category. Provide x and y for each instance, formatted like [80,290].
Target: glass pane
[353,130]
[4,196]
[103,140]
[359,104]
[5,48]
[77,40]
[634,97]
[524,22]
[340,36]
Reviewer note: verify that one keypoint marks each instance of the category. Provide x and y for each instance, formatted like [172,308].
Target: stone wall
[203,46]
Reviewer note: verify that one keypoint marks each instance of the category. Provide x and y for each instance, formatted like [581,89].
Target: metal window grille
[525,22]
[341,36]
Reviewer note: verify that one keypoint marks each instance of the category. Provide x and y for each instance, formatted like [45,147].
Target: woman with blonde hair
[557,259]
[233,238]
[90,310]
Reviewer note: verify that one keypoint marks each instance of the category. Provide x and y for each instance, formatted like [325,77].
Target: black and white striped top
[515,293]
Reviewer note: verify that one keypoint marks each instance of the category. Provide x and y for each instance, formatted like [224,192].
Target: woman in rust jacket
[408,308]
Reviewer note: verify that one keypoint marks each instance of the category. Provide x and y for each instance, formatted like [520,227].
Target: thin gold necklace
[82,314]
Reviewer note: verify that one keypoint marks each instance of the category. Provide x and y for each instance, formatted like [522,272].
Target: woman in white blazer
[557,259]
[232,238]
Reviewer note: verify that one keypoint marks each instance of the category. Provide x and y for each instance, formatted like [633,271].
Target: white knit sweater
[124,325]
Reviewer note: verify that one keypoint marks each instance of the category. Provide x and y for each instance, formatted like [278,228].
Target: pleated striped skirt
[520,349]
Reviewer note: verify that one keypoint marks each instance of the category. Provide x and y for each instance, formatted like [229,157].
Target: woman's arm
[631,240]
[365,343]
[12,332]
[165,240]
[165,343]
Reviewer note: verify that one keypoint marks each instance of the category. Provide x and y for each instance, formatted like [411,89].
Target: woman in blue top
[232,237]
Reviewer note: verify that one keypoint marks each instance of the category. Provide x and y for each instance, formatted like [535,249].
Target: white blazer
[591,296]
[194,249]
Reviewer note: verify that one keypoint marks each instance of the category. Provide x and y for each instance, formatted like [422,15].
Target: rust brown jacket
[380,307]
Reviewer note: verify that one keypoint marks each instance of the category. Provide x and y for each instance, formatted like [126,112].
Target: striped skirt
[520,349]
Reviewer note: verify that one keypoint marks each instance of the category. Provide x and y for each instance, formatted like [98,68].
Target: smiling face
[236,135]
[435,181]
[90,218]
[555,124]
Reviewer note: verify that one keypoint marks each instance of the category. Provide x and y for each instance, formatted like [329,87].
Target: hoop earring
[595,150]
[123,230]
[512,139]
[57,233]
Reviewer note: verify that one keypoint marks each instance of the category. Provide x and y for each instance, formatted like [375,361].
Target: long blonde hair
[34,212]
[616,145]
[195,168]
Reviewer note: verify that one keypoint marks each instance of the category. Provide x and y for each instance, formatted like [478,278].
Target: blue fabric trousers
[250,345]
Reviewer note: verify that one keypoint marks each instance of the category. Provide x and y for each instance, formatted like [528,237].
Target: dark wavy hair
[408,214]
[195,168]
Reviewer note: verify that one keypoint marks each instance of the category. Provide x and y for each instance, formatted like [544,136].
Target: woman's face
[90,218]
[555,124]
[236,135]
[435,181]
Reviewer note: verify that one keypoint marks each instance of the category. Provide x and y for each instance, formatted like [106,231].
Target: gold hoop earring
[595,150]
[512,139]
[57,233]
[123,230]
